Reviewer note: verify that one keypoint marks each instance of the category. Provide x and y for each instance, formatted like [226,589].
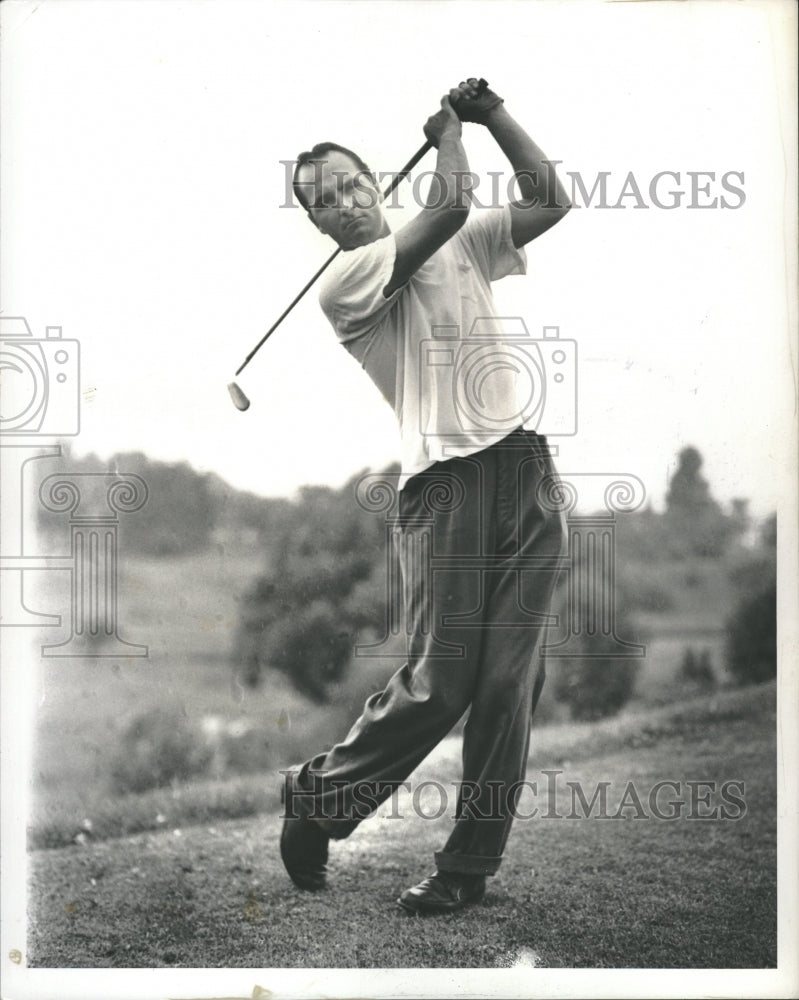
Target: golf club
[240,401]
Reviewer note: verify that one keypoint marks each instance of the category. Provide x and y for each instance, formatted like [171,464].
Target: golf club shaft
[395,181]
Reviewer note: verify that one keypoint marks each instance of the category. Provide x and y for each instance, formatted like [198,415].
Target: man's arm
[447,207]
[544,200]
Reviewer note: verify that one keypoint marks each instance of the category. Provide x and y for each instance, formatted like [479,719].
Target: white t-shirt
[434,347]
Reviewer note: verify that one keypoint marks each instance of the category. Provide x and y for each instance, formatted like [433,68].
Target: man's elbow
[562,209]
[460,210]
[446,219]
[558,201]
[454,214]
[553,212]
[529,220]
[554,205]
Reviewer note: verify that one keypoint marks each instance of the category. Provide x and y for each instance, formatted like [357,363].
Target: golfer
[404,305]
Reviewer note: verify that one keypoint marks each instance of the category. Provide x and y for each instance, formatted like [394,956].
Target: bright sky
[141,194]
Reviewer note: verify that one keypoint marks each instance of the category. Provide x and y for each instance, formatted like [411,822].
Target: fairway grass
[582,892]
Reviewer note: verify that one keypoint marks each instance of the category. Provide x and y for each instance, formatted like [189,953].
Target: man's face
[344,203]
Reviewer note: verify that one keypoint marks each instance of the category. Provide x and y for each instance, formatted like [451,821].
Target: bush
[312,647]
[594,681]
[642,593]
[752,637]
[697,669]
[593,688]
[326,583]
[158,748]
[244,751]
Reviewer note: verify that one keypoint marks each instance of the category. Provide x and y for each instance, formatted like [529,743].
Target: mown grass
[592,893]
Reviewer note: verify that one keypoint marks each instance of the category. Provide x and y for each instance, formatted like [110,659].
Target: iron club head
[240,401]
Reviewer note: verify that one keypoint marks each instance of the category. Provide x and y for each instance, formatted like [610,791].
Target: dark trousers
[479,548]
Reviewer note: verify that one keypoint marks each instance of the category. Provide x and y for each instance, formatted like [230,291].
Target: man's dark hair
[318,153]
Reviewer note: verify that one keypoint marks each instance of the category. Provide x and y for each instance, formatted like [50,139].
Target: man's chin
[363,232]
[361,237]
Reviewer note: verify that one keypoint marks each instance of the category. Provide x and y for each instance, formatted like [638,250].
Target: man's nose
[355,199]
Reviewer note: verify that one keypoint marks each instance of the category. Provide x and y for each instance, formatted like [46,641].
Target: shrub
[594,681]
[642,593]
[752,637]
[158,748]
[697,669]
[311,646]
[326,583]
[593,688]
[245,751]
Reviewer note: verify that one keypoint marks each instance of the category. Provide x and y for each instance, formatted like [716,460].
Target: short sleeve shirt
[434,347]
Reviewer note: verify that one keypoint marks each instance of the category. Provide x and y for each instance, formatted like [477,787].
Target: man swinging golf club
[403,304]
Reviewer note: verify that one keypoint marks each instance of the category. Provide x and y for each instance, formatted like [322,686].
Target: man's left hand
[471,105]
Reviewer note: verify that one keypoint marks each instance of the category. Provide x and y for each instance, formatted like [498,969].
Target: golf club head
[240,401]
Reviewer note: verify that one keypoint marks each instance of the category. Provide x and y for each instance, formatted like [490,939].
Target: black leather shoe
[443,892]
[303,848]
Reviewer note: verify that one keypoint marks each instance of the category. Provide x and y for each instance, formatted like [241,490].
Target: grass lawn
[585,892]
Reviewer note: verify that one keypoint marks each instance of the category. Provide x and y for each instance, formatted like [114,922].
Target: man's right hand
[443,121]
[474,103]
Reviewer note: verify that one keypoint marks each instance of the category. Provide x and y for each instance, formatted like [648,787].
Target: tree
[751,630]
[177,518]
[688,492]
[740,516]
[752,637]
[768,534]
[691,510]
